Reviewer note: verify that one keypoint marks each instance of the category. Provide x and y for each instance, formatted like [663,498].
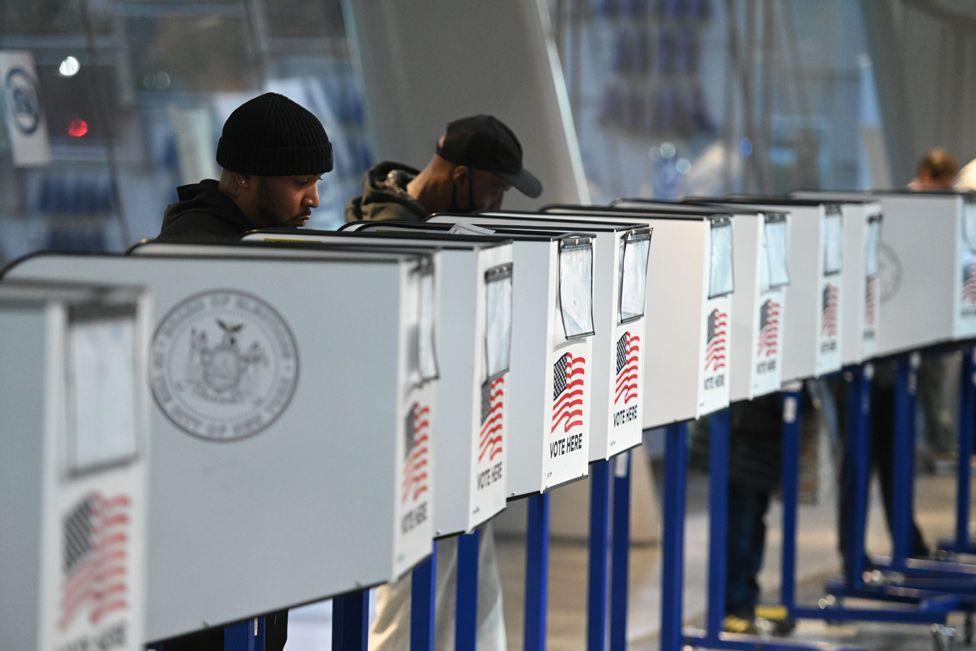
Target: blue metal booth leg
[245,636]
[466,599]
[621,552]
[673,536]
[350,620]
[423,591]
[536,572]
[718,520]
[961,542]
[596,601]
[790,485]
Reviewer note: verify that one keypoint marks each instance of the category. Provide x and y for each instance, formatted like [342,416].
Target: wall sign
[22,111]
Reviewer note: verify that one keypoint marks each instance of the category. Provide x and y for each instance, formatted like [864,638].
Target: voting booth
[619,287]
[761,273]
[291,429]
[552,352]
[862,278]
[812,338]
[73,466]
[927,267]
[473,336]
[688,314]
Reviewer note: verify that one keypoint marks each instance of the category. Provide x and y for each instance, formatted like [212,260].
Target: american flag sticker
[716,344]
[967,296]
[95,558]
[828,311]
[492,420]
[769,313]
[626,389]
[415,467]
[569,376]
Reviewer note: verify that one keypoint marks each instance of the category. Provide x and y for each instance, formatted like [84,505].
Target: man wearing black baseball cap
[273,153]
[476,161]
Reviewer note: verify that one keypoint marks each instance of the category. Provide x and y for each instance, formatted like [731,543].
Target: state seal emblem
[223,365]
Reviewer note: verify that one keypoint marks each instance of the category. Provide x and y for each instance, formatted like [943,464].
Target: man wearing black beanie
[273,153]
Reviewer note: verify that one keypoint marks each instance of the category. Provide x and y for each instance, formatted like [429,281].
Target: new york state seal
[223,365]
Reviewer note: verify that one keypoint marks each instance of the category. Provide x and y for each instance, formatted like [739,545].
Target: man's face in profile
[286,200]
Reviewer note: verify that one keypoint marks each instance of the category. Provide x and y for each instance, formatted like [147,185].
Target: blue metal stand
[423,590]
[928,607]
[620,566]
[596,600]
[466,596]
[718,485]
[536,572]
[245,636]
[350,621]
[962,542]
[673,535]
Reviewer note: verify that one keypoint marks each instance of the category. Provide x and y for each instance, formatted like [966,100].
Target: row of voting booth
[206,433]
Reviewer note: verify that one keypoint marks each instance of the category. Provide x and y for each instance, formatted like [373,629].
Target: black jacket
[385,196]
[203,214]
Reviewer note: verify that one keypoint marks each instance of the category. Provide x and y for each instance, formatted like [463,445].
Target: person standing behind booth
[476,161]
[273,153]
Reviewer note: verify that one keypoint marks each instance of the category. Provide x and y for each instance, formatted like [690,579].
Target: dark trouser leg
[746,542]
[882,428]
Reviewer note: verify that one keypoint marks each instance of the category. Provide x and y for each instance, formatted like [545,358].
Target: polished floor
[310,627]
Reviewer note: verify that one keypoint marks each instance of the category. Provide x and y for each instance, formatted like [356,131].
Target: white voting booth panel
[552,350]
[290,429]
[812,337]
[619,281]
[927,267]
[687,314]
[862,283]
[473,339]
[761,272]
[74,453]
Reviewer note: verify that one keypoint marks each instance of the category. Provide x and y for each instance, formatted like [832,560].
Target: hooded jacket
[385,196]
[203,214]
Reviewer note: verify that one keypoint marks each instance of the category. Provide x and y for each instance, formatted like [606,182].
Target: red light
[77,128]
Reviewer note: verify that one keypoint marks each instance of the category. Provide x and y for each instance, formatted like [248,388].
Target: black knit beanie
[271,135]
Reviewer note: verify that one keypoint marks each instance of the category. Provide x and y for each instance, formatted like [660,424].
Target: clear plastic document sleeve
[969,224]
[833,243]
[101,392]
[427,358]
[633,276]
[498,319]
[576,287]
[871,244]
[720,269]
[776,267]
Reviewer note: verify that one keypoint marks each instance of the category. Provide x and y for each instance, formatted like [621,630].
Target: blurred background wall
[611,97]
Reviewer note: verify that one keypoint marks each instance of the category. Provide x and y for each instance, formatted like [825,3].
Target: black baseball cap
[484,142]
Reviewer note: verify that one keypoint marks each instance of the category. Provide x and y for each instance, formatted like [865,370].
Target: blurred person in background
[936,170]
[476,161]
[938,376]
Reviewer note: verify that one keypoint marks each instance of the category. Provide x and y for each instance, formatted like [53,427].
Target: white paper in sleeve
[633,278]
[101,393]
[969,224]
[576,289]
[833,243]
[720,261]
[871,248]
[427,360]
[498,320]
[776,271]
